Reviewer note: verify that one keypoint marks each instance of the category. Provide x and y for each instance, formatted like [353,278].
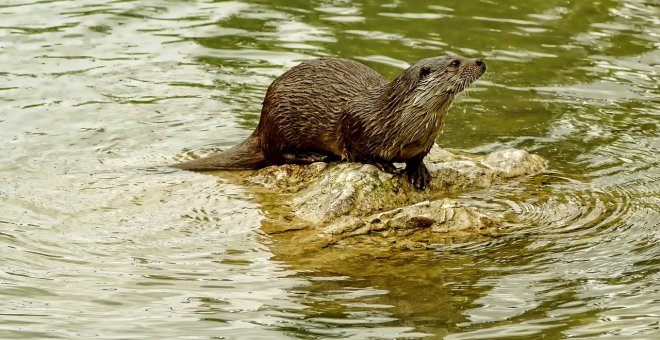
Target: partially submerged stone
[419,224]
[342,201]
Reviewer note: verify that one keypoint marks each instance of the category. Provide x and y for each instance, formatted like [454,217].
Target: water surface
[98,240]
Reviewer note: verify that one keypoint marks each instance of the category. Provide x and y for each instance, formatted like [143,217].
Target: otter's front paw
[419,176]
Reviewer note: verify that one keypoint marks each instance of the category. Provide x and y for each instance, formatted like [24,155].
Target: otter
[332,109]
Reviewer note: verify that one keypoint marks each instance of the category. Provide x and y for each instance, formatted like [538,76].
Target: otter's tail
[244,156]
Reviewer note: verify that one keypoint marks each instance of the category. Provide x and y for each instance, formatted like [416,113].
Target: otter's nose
[480,63]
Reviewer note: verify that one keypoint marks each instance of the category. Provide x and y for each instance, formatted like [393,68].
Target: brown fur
[329,108]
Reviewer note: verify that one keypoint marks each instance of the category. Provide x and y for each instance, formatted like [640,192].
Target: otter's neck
[402,99]
[418,116]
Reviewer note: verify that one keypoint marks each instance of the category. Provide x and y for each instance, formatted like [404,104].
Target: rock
[342,202]
[427,221]
[513,163]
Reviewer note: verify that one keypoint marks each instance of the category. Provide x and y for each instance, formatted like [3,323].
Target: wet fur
[410,111]
[329,109]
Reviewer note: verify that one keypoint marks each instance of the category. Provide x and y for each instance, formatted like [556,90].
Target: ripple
[564,211]
[426,16]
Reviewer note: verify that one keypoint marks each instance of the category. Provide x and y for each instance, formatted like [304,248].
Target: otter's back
[302,106]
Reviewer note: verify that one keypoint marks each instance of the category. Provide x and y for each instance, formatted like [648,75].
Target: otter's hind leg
[308,157]
[385,166]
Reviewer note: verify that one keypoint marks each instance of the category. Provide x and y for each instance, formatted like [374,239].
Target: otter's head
[433,82]
[449,74]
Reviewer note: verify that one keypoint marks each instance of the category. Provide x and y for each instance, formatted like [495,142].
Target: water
[99,240]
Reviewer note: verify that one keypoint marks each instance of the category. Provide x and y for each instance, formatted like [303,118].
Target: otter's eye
[455,63]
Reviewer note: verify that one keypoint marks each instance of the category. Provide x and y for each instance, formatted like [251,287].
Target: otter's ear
[424,71]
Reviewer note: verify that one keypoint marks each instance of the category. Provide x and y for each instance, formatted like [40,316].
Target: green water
[98,240]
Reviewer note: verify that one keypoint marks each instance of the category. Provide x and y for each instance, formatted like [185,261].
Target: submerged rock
[339,201]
